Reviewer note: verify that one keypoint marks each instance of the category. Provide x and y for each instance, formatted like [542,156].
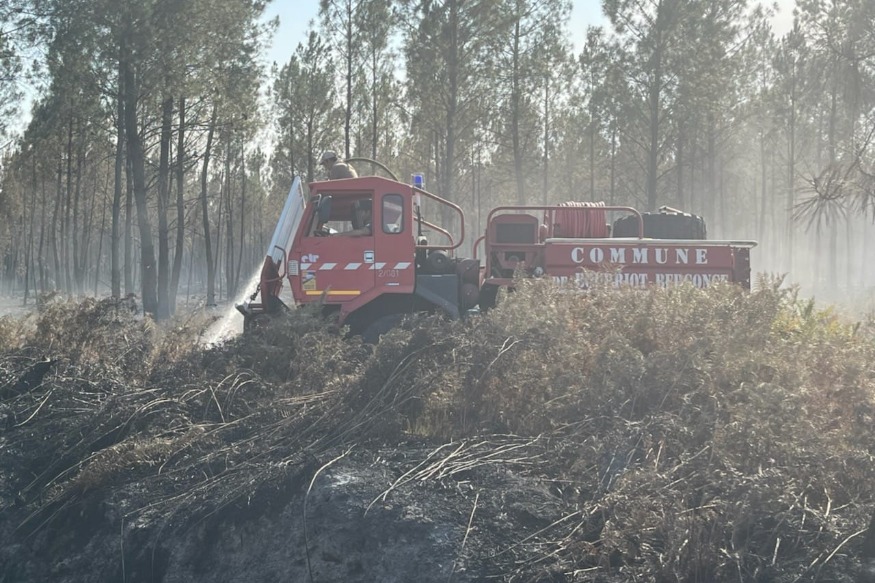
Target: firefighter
[362,219]
[336,169]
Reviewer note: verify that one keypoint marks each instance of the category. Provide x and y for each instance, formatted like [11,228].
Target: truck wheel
[380,326]
[662,226]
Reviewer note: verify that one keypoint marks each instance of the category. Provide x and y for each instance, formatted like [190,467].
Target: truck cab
[357,247]
[355,244]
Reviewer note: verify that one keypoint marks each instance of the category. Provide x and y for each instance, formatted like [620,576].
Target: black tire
[662,226]
[380,326]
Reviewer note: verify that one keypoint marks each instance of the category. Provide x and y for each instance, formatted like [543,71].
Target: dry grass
[694,435]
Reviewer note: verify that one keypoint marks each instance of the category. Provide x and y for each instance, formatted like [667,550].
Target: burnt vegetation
[675,434]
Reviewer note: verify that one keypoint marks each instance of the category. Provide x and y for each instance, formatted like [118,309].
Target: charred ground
[659,435]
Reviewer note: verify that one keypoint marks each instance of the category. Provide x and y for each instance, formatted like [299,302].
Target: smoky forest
[550,434]
[148,146]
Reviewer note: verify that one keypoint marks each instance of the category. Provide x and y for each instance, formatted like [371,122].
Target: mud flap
[441,291]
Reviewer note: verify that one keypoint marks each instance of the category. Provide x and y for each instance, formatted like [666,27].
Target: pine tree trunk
[654,114]
[515,118]
[68,205]
[242,216]
[129,220]
[78,264]
[148,276]
[115,269]
[41,267]
[229,216]
[205,217]
[680,163]
[163,202]
[180,207]
[53,232]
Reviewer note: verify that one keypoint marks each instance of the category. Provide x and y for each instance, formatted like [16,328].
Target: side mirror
[324,209]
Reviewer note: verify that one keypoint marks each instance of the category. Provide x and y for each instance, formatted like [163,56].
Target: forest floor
[631,435]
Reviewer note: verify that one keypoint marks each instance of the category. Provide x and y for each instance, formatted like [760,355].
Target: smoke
[830,262]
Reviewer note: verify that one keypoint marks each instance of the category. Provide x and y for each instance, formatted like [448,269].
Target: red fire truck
[362,249]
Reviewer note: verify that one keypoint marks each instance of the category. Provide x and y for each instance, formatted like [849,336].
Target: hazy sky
[296,16]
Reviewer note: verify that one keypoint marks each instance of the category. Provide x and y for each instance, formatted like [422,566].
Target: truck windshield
[288,222]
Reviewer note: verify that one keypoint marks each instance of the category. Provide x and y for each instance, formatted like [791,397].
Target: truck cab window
[348,216]
[393,213]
